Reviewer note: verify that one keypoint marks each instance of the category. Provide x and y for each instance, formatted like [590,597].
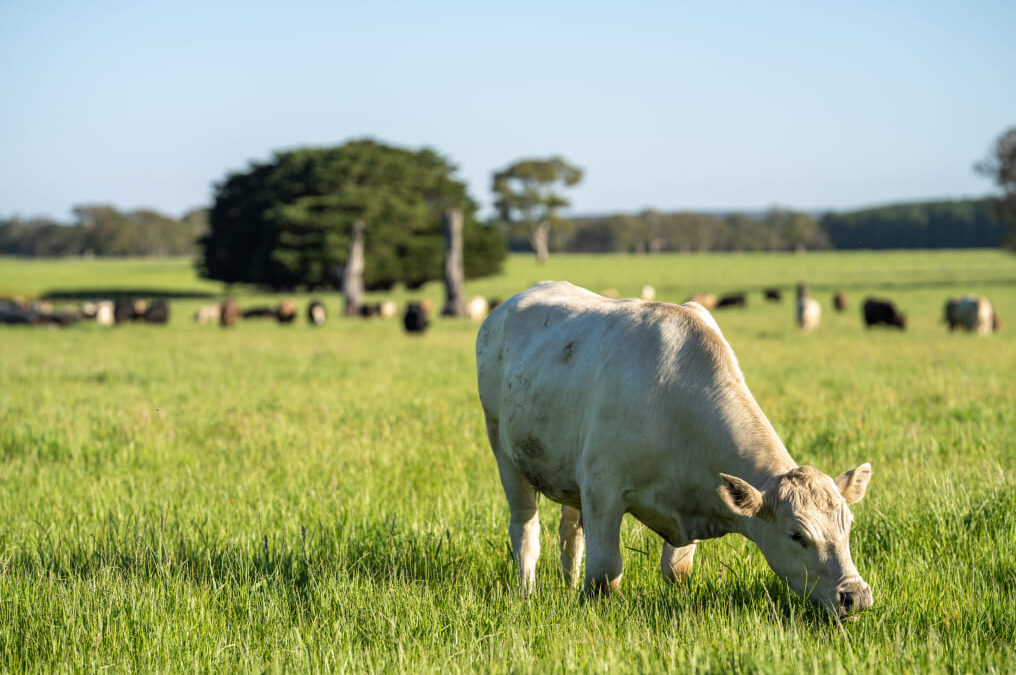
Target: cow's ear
[739,496]
[852,484]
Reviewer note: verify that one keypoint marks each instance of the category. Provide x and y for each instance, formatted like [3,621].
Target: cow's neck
[756,453]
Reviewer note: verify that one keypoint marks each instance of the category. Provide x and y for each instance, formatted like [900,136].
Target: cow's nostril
[847,600]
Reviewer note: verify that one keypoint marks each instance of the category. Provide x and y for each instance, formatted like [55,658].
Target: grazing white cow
[647,293]
[389,309]
[477,307]
[971,313]
[208,314]
[809,312]
[707,300]
[623,406]
[104,313]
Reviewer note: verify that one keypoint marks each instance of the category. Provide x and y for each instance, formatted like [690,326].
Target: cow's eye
[799,538]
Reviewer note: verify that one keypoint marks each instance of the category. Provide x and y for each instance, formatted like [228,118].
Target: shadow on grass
[116,293]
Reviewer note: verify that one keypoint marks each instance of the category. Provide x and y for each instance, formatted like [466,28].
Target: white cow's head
[802,525]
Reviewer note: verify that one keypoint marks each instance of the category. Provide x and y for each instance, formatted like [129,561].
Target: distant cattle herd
[970,313]
[416,317]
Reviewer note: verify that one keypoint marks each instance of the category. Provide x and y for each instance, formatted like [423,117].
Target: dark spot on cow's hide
[531,458]
[530,448]
[529,453]
[569,351]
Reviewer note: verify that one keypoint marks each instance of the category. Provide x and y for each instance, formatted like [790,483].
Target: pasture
[287,497]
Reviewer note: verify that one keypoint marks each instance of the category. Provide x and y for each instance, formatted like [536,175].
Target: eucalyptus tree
[1000,165]
[527,195]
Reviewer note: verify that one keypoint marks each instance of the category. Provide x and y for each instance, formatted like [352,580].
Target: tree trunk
[539,238]
[454,275]
[352,275]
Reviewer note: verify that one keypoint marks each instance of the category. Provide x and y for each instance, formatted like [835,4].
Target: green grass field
[277,498]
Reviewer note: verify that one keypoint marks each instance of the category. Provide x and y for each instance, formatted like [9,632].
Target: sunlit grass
[187,497]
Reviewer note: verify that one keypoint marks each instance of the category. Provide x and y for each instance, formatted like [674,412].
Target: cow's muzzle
[852,597]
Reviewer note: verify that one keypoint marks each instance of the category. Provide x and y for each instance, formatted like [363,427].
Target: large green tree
[287,223]
[527,196]
[1001,166]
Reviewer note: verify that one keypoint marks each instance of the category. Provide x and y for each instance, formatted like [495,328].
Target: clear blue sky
[674,105]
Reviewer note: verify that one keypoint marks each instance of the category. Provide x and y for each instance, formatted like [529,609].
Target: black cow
[416,318]
[732,300]
[774,295]
[128,309]
[839,301]
[158,312]
[879,312]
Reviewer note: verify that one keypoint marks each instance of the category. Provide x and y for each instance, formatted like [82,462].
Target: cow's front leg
[601,521]
[573,543]
[676,562]
[524,528]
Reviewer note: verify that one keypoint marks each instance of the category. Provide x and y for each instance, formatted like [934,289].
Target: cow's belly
[547,460]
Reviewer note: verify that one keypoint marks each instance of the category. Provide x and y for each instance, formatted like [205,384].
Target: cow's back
[558,365]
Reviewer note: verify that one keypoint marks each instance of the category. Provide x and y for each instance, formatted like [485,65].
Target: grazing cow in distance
[492,303]
[774,295]
[389,309]
[127,309]
[286,311]
[879,312]
[732,300]
[417,318]
[971,313]
[809,312]
[158,312]
[707,300]
[648,293]
[104,313]
[368,310]
[476,308]
[619,406]
[230,313]
[839,301]
[316,313]
[15,313]
[207,314]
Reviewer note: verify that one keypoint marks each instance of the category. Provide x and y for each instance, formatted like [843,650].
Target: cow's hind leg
[524,528]
[676,562]
[573,543]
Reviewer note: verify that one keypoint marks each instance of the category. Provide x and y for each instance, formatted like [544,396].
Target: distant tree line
[968,223]
[971,223]
[655,232]
[103,230]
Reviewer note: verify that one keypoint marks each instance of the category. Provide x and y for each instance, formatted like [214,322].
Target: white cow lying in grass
[623,406]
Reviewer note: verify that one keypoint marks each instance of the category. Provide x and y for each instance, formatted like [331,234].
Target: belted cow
[623,406]
[971,313]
